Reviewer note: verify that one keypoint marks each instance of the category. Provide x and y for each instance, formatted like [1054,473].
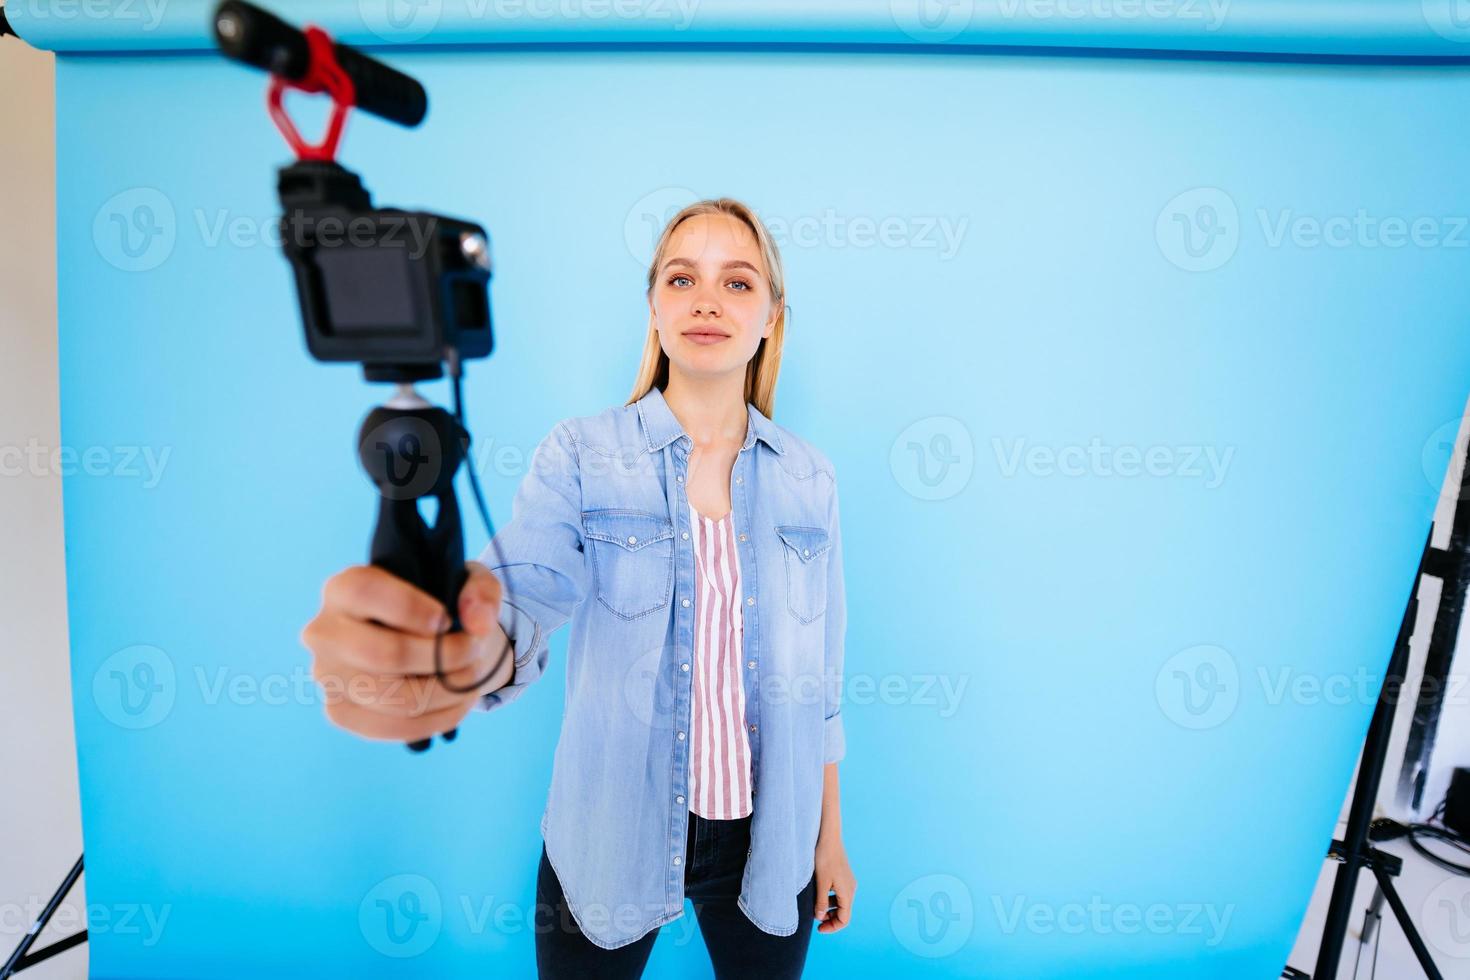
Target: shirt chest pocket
[632,560]
[805,552]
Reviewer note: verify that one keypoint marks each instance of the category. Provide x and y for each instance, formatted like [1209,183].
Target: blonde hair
[765,365]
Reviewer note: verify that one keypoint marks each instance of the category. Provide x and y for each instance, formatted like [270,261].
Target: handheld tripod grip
[411,451]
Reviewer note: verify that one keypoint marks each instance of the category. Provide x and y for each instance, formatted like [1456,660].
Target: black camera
[395,290]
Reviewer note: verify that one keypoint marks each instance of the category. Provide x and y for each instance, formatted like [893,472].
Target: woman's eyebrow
[732,264]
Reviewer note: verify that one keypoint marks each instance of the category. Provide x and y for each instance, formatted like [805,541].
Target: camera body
[398,291]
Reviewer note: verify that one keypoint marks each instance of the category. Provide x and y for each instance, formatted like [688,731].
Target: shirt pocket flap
[630,529]
[808,543]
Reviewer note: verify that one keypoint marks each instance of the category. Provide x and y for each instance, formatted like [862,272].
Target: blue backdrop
[1140,370]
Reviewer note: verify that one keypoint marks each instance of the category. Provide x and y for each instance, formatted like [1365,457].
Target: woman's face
[711,301]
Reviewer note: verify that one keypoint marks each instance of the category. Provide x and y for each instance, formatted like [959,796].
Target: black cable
[452,359]
[1433,829]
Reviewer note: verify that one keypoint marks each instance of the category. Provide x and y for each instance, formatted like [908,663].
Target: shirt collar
[660,427]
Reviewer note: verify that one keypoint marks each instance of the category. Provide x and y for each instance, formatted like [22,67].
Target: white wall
[40,823]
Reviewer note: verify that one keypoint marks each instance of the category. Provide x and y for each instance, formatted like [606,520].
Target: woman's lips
[706,338]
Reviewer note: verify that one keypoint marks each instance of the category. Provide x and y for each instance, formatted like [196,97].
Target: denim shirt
[599,535]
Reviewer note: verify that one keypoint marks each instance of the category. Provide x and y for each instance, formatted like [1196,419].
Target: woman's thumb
[479,600]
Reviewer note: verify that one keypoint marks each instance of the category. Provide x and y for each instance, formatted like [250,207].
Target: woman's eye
[675,279]
[740,282]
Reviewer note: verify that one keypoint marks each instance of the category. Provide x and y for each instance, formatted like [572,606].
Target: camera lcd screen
[367,290]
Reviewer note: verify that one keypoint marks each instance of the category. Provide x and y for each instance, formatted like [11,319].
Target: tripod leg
[1385,883]
[1372,916]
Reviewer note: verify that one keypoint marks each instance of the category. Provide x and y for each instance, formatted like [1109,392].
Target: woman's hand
[833,874]
[373,644]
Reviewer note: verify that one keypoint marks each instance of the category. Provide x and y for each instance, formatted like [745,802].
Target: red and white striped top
[720,764]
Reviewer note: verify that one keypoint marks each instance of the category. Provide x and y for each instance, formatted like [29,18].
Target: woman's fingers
[367,592]
[479,600]
[411,695]
[376,649]
[371,724]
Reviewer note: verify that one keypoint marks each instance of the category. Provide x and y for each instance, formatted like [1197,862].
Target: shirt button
[683,666]
[632,539]
[678,860]
[681,736]
[806,552]
[750,664]
[740,479]
[752,728]
[750,601]
[678,799]
[742,537]
[685,535]
[684,602]
[681,479]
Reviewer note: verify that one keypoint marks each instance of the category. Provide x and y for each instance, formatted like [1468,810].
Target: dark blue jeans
[713,868]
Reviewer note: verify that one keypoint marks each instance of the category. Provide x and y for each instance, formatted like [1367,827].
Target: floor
[1438,902]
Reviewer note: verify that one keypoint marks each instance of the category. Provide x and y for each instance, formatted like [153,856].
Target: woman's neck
[711,412]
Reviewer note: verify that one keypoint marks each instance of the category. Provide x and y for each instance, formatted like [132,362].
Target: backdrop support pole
[21,958]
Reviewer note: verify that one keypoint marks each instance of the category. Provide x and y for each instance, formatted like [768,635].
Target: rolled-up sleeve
[538,558]
[834,738]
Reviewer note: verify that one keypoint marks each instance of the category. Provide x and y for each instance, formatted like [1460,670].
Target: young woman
[695,547]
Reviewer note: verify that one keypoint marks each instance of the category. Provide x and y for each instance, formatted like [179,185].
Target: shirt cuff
[524,634]
[834,739]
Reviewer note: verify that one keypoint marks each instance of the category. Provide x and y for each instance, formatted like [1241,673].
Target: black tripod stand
[1355,852]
